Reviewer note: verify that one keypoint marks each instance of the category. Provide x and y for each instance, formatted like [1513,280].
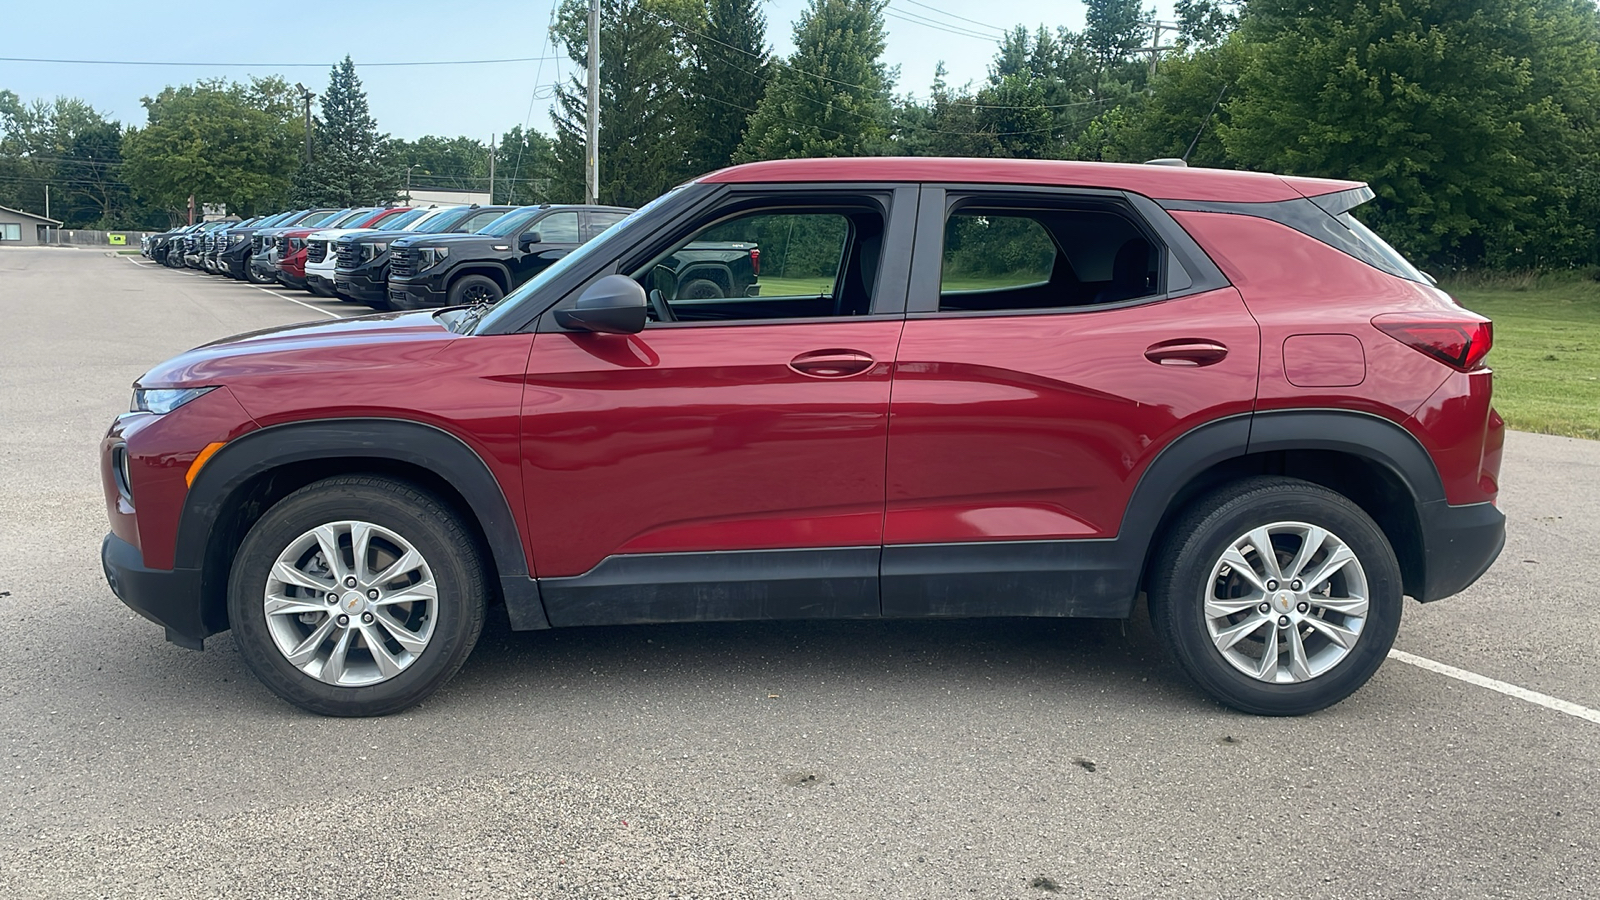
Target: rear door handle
[1187,352]
[832,363]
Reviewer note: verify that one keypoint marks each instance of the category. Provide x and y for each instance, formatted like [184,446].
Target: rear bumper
[168,597]
[1461,543]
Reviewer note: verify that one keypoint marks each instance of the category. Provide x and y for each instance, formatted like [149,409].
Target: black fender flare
[1187,458]
[487,268]
[402,440]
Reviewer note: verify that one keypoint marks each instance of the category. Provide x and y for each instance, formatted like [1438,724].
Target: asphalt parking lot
[994,759]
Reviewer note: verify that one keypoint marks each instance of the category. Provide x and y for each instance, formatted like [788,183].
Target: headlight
[432,256]
[164,400]
[370,252]
[234,239]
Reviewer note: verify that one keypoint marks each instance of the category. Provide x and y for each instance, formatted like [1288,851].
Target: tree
[348,163]
[642,123]
[218,141]
[1472,122]
[831,97]
[525,167]
[439,163]
[726,79]
[1113,29]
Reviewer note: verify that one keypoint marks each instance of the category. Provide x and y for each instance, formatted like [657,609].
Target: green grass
[795,287]
[1546,355]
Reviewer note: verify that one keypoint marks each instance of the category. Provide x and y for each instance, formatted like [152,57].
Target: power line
[925,22]
[954,16]
[281,65]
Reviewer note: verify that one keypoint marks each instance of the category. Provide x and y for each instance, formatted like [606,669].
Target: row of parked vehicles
[403,257]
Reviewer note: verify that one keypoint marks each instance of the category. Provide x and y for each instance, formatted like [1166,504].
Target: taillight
[1459,340]
[755,262]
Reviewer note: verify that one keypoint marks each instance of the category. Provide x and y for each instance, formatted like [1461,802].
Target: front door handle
[1187,352]
[832,363]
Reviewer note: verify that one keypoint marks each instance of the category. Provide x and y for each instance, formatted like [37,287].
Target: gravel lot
[995,759]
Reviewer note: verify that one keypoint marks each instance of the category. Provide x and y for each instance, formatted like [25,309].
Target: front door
[728,461]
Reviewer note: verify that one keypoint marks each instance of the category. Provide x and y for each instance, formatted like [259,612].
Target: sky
[300,41]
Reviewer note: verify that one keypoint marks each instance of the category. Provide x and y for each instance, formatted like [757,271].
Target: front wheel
[254,276]
[357,596]
[1277,596]
[475,290]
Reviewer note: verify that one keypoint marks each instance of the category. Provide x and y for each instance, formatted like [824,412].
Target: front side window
[1002,259]
[557,228]
[769,264]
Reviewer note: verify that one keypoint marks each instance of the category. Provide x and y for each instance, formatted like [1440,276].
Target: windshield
[442,222]
[356,219]
[321,217]
[618,235]
[510,223]
[399,222]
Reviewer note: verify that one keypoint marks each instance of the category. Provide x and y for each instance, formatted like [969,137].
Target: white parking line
[1510,690]
[326,312]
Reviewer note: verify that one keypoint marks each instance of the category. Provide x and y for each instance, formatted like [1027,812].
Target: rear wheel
[474,290]
[700,289]
[356,596]
[1277,596]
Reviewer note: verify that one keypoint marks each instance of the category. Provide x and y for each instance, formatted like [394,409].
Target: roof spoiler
[1340,202]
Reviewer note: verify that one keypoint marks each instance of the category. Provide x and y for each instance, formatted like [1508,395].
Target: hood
[387,340]
[435,240]
[333,234]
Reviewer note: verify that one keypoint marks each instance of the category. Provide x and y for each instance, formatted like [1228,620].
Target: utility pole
[47,201]
[593,154]
[408,180]
[306,94]
[1155,49]
[491,170]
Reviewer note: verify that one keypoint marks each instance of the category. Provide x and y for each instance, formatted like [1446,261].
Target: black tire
[470,290]
[1180,580]
[700,289]
[438,535]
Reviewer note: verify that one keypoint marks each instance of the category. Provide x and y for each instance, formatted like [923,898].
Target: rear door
[1055,342]
[728,461]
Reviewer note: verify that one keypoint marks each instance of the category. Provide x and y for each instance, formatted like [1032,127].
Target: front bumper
[168,597]
[289,279]
[364,286]
[414,295]
[1461,543]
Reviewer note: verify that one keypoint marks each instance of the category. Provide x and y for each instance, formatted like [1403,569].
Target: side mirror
[613,305]
[529,238]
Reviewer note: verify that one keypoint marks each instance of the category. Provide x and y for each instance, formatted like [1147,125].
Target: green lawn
[1546,355]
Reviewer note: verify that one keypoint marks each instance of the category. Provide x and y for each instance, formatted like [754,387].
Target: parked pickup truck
[465,269]
[361,274]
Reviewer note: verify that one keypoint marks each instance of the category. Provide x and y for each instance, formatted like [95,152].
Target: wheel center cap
[352,601]
[1284,601]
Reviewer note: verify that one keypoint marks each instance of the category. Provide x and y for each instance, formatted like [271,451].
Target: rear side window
[1326,218]
[999,259]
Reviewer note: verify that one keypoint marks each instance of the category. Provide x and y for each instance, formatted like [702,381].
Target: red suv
[958,388]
